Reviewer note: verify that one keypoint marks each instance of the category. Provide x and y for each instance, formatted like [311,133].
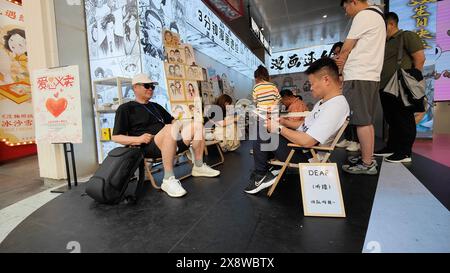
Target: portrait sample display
[181,111]
[175,55]
[174,71]
[171,39]
[188,52]
[183,88]
[176,90]
[191,88]
[194,73]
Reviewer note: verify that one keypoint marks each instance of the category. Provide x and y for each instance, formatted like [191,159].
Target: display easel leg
[66,158]
[74,168]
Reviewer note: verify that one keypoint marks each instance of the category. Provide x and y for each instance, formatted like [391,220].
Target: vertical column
[42,48]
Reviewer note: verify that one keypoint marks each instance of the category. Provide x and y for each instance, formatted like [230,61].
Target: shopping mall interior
[68,66]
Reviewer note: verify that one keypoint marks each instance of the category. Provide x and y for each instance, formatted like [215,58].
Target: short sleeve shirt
[411,44]
[365,61]
[135,119]
[326,119]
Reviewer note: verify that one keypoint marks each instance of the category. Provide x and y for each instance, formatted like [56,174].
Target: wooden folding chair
[317,158]
[151,164]
[219,149]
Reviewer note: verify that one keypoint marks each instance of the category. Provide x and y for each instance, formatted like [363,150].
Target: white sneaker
[172,187]
[343,144]
[205,171]
[353,147]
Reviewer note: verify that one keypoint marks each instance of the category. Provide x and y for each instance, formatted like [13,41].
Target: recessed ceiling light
[325,16]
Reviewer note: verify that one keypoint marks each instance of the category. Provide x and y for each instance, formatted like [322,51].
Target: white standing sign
[321,190]
[57,105]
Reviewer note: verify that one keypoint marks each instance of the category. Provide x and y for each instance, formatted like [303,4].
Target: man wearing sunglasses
[149,125]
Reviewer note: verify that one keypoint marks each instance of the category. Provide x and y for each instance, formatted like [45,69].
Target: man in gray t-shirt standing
[360,62]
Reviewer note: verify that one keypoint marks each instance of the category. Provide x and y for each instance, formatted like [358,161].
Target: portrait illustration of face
[17,44]
[154,25]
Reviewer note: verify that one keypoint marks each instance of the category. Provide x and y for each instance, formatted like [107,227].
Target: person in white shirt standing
[361,61]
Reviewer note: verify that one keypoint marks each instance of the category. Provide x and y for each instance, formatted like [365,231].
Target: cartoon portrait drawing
[191,88]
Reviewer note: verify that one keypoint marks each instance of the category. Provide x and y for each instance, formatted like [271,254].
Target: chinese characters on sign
[46,83]
[16,112]
[57,105]
[258,33]
[296,60]
[321,190]
[215,35]
[421,16]
[12,14]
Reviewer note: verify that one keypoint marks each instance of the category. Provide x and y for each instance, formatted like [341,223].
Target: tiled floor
[13,215]
[20,179]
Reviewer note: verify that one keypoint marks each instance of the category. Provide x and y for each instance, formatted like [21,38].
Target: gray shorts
[363,98]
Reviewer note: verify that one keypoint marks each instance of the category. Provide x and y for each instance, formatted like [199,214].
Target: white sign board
[57,105]
[321,190]
[297,60]
[216,40]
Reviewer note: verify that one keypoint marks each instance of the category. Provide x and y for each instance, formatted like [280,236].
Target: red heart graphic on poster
[56,107]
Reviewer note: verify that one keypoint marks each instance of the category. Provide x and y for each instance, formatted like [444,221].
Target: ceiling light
[262,28]
[325,16]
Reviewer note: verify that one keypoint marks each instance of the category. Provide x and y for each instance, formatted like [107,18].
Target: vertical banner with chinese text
[16,111]
[57,105]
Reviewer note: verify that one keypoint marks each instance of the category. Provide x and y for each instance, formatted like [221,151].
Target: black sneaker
[397,158]
[383,152]
[259,182]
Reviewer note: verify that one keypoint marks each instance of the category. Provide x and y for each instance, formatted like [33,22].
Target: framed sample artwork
[194,73]
[191,89]
[174,71]
[176,90]
[171,39]
[181,111]
[174,55]
[188,52]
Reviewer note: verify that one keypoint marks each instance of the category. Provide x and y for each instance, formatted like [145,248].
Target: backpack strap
[400,51]
[377,11]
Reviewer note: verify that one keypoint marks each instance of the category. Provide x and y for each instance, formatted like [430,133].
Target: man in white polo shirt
[320,126]
[361,61]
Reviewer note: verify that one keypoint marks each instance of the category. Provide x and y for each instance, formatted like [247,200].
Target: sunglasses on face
[148,85]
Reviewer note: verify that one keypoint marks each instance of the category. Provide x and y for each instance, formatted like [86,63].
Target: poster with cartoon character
[442,66]
[16,113]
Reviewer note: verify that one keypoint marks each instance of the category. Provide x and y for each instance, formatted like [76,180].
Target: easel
[74,169]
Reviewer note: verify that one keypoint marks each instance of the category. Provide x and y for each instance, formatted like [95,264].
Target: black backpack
[110,182]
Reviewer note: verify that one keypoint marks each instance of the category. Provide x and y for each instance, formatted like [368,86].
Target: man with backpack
[149,125]
[401,121]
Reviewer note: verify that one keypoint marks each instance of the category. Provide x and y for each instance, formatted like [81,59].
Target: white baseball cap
[142,78]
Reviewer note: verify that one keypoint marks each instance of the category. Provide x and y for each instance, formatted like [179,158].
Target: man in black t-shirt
[149,125]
